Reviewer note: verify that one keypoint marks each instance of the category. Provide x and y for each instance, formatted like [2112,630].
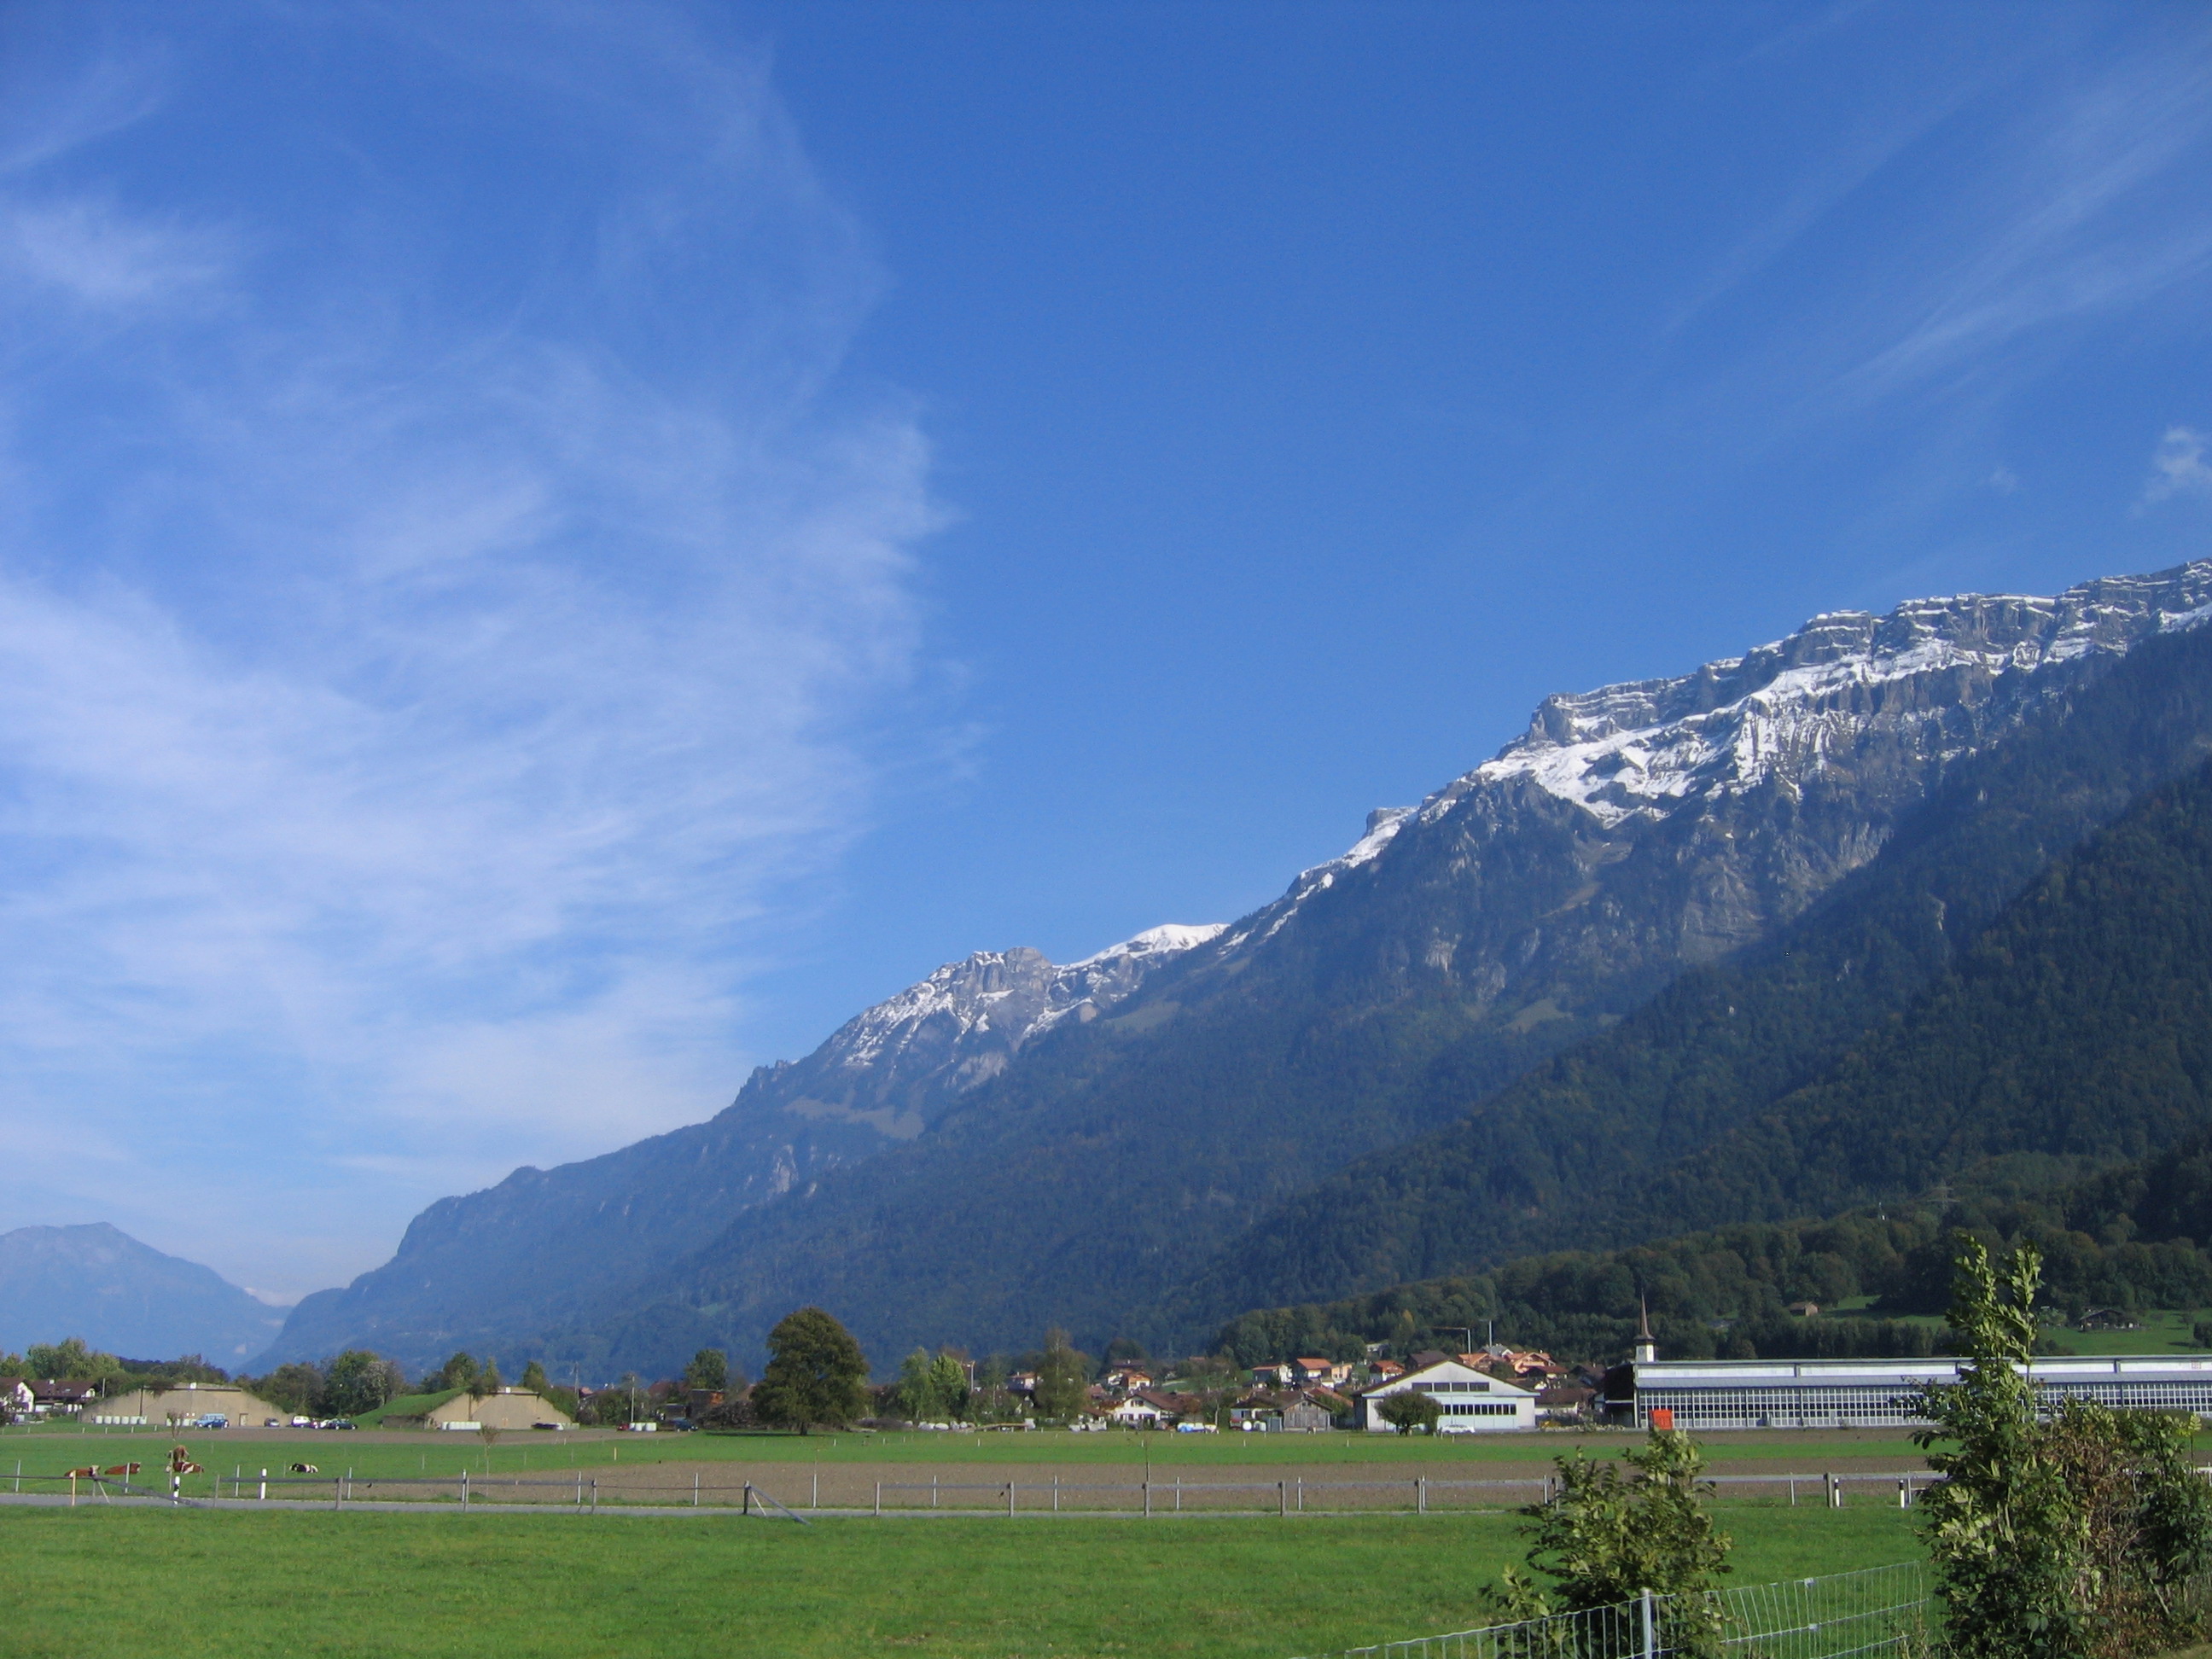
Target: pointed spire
[1647,1345]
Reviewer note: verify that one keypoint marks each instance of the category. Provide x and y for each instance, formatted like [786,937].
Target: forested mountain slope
[494,1267]
[1536,900]
[2125,1238]
[1531,904]
[1884,1041]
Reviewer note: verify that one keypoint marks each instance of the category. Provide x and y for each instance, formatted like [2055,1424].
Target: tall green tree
[72,1361]
[816,1375]
[535,1380]
[2065,1537]
[458,1372]
[950,1380]
[296,1387]
[709,1370]
[2007,1539]
[1062,1376]
[487,1381]
[358,1381]
[918,1397]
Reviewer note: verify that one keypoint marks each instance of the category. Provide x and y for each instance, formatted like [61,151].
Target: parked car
[211,1420]
[337,1423]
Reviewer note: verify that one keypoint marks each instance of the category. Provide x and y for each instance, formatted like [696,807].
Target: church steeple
[1647,1348]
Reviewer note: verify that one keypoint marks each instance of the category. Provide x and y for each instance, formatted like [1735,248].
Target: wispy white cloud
[2074,228]
[415,703]
[2177,466]
[97,257]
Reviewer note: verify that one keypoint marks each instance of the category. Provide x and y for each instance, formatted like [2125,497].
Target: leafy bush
[1607,1538]
[2069,1537]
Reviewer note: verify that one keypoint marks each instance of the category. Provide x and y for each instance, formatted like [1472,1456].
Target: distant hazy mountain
[1020,1149]
[124,1297]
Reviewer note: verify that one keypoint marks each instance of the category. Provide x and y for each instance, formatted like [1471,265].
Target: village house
[1566,1402]
[1499,1360]
[1137,1413]
[16,1399]
[1323,1373]
[1127,1379]
[52,1397]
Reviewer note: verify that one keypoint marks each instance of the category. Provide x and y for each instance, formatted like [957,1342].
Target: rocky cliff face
[896,1065]
[1179,1086]
[1646,826]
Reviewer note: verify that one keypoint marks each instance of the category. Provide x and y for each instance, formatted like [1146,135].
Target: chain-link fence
[1879,1610]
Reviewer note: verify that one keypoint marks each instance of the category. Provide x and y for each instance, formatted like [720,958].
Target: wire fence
[832,1488]
[1877,1610]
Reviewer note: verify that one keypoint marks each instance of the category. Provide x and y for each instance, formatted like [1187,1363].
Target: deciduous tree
[709,1370]
[1409,1409]
[2065,1537]
[815,1373]
[357,1381]
[1062,1375]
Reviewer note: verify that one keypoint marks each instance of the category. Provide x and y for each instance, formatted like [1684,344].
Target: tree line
[2124,1238]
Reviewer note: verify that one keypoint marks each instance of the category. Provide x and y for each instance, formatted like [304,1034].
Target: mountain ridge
[1631,834]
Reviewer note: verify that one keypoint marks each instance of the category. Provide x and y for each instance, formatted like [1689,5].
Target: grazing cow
[124,1468]
[304,1469]
[180,1463]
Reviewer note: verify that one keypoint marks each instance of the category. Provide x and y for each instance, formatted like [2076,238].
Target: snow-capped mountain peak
[1643,747]
[945,1034]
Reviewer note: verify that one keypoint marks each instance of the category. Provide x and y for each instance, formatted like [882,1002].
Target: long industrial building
[1850,1393]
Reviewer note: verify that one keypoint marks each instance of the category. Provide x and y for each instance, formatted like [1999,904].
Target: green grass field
[87,1583]
[1218,1456]
[2162,1331]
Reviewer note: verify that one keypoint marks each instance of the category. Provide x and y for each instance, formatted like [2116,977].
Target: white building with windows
[1848,1393]
[1471,1401]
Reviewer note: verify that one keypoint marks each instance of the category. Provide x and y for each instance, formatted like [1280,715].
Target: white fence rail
[1878,1610]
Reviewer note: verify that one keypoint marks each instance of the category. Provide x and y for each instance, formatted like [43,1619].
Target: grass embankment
[91,1583]
[407,1406]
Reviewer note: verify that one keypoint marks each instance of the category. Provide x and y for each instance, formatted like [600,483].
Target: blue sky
[549,553]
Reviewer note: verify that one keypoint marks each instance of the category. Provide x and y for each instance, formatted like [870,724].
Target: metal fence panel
[1876,1610]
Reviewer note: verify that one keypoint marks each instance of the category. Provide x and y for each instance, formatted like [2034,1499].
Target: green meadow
[93,1582]
[382,1455]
